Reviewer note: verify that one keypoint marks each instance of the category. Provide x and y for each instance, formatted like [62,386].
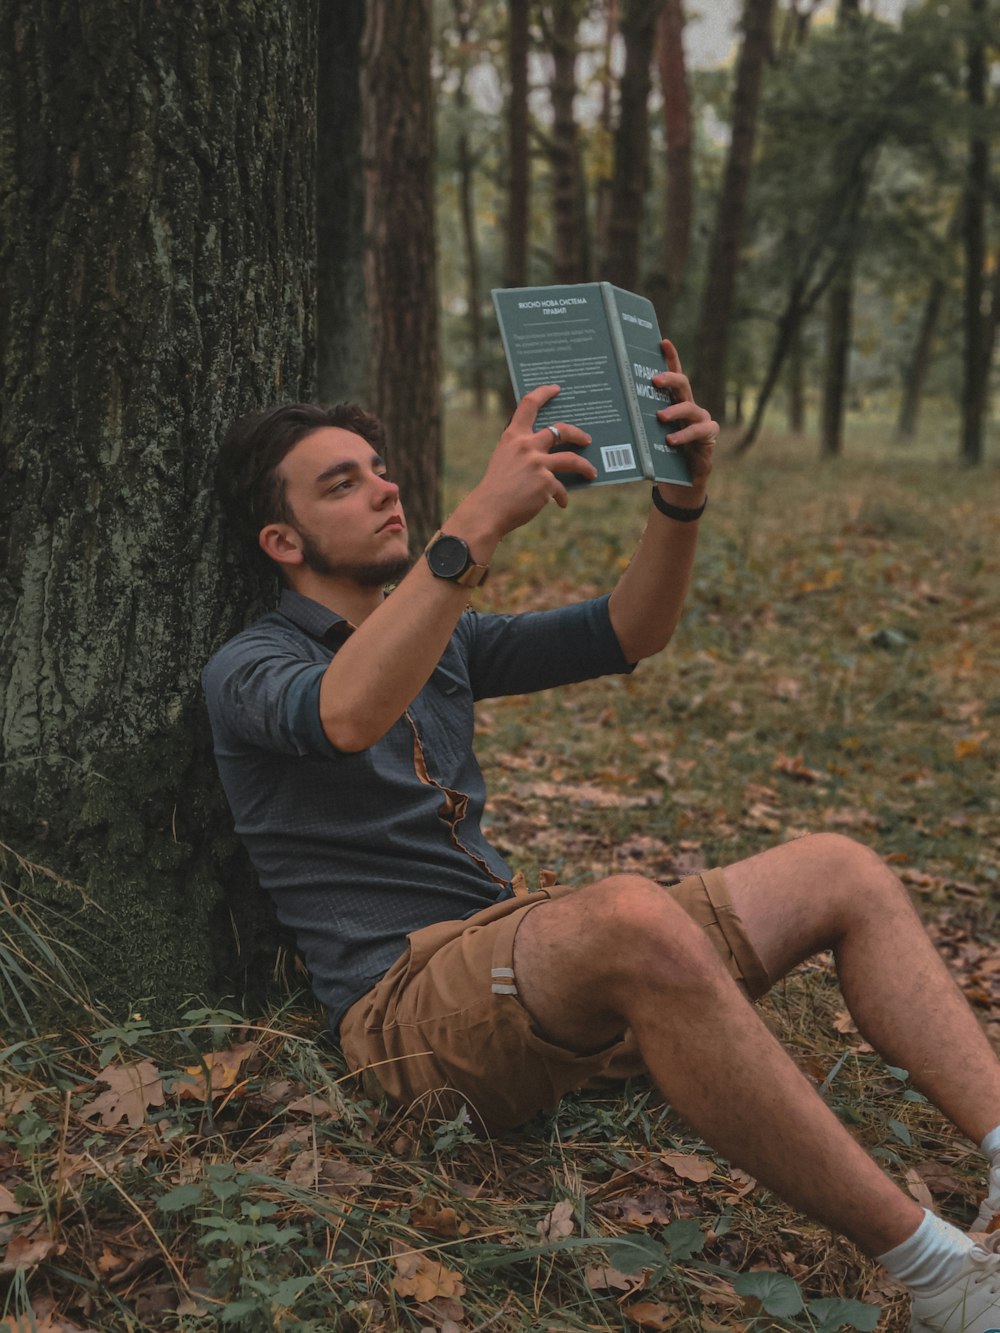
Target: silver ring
[555,433]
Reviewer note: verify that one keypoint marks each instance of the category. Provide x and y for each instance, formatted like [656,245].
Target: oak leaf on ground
[131,1089]
[424,1278]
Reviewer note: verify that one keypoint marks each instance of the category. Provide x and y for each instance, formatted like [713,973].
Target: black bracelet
[675,511]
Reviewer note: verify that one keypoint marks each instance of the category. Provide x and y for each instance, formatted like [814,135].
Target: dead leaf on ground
[916,1186]
[132,1088]
[559,1223]
[653,1315]
[44,1318]
[423,1278]
[328,1175]
[599,1277]
[438,1219]
[689,1166]
[25,1251]
[218,1073]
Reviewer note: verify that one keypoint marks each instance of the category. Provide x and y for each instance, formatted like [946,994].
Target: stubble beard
[370,574]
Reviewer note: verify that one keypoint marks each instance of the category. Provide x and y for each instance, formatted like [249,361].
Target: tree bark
[621,263]
[341,308]
[465,168]
[678,205]
[604,183]
[712,341]
[975,368]
[156,252]
[400,271]
[915,373]
[796,383]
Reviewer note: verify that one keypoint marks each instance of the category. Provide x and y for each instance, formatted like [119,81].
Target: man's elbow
[349,735]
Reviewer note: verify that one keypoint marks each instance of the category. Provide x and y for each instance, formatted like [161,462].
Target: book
[601,345]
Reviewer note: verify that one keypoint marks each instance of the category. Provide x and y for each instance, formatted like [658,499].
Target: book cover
[601,345]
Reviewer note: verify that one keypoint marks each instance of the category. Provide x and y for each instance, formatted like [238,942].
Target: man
[343,731]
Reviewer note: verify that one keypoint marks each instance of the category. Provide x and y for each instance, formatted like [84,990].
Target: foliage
[837,669]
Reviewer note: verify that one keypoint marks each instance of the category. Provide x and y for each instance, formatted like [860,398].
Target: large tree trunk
[156,251]
[341,310]
[604,178]
[621,262]
[569,223]
[712,342]
[678,206]
[975,376]
[398,150]
[915,373]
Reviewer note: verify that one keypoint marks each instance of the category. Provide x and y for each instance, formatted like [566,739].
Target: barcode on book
[617,457]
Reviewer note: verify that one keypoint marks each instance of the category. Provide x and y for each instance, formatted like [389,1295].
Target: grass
[837,668]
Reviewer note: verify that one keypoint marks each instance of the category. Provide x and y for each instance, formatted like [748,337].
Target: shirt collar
[318,621]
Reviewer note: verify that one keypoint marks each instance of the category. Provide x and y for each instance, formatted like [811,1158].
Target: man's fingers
[567,435]
[565,462]
[531,404]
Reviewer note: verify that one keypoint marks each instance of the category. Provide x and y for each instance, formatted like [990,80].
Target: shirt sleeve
[262,695]
[518,654]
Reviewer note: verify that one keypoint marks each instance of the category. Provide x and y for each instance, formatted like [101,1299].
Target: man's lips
[395,523]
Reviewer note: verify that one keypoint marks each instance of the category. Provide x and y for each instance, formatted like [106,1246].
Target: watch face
[448,557]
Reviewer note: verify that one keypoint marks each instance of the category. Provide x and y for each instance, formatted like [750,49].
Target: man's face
[348,522]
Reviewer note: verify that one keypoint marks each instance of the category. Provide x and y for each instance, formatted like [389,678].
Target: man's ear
[281,543]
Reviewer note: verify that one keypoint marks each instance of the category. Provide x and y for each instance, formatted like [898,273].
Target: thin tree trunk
[621,263]
[712,341]
[341,308]
[467,212]
[796,383]
[518,172]
[915,374]
[398,149]
[840,299]
[604,185]
[974,379]
[666,284]
[157,259]
[568,214]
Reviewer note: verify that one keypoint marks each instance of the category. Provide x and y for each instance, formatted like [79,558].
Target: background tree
[712,341]
[401,265]
[518,169]
[570,233]
[667,280]
[976,365]
[156,250]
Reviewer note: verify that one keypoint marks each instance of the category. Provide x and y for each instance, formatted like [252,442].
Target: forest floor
[838,668]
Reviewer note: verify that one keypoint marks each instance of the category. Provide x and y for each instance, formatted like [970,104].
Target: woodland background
[208,210]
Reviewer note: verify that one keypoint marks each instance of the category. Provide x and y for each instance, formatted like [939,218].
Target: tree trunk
[678,204]
[398,151]
[156,251]
[569,251]
[341,307]
[518,172]
[975,377]
[465,166]
[712,342]
[838,350]
[796,383]
[621,262]
[604,183]
[915,373]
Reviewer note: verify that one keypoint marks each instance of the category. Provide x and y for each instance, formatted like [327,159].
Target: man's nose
[386,490]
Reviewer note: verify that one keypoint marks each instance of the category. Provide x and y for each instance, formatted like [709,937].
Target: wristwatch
[449,558]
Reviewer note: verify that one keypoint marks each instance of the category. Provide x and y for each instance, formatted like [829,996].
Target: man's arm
[385,663]
[649,597]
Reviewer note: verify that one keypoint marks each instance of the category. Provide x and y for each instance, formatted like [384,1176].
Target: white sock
[991,1144]
[930,1258]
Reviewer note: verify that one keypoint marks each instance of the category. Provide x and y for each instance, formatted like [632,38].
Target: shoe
[969,1303]
[990,1206]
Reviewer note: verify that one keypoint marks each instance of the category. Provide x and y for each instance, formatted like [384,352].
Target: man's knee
[853,875]
[642,935]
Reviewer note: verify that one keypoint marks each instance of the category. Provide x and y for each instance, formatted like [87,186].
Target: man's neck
[348,599]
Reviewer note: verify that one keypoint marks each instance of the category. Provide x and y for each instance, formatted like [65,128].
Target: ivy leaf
[830,1313]
[778,1293]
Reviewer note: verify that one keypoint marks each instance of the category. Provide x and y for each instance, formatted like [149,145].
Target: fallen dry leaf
[598,1277]
[423,1278]
[438,1219]
[652,1315]
[131,1089]
[217,1074]
[559,1223]
[688,1166]
[916,1186]
[25,1251]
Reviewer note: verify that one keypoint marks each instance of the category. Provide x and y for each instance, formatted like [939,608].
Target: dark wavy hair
[247,480]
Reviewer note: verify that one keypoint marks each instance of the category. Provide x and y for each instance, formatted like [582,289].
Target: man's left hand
[696,437]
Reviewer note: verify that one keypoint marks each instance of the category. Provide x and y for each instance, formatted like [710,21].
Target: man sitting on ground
[343,727]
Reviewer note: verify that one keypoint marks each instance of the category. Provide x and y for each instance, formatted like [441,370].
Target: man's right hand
[520,477]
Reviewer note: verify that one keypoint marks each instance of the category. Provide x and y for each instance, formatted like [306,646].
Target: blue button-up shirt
[358,850]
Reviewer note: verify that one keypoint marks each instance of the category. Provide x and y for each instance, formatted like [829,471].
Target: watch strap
[678,512]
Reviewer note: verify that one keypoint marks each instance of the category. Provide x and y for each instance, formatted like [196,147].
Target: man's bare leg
[621,953]
[827,892]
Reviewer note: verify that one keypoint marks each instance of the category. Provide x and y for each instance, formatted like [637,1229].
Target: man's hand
[520,478]
[696,437]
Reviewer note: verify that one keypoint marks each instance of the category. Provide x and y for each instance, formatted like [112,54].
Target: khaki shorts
[445,1023]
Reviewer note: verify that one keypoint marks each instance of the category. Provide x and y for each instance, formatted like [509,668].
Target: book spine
[628,383]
